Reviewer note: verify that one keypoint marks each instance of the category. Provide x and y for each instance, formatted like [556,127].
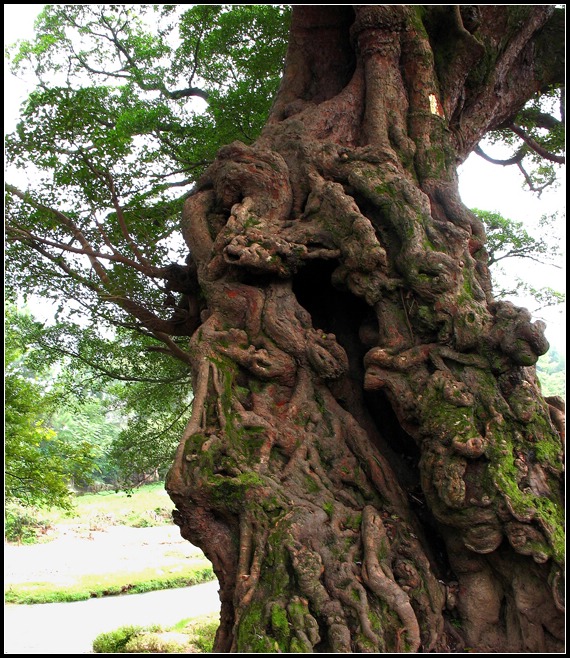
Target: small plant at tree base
[187,636]
[115,641]
[202,631]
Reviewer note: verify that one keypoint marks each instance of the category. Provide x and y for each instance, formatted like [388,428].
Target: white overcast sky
[482,185]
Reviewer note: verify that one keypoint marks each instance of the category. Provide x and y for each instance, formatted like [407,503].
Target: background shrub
[24,525]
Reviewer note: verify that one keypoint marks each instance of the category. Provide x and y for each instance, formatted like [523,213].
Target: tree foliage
[111,134]
[39,464]
[88,424]
[536,138]
[114,138]
[508,239]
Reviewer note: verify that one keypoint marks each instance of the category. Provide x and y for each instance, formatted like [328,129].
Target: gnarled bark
[370,464]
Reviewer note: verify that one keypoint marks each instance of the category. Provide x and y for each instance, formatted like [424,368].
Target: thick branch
[21,233]
[535,146]
[519,253]
[541,119]
[156,325]
[185,93]
[495,95]
[515,159]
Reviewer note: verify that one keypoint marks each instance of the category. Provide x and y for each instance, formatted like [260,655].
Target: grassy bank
[96,586]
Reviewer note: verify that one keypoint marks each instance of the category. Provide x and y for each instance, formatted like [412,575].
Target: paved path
[71,627]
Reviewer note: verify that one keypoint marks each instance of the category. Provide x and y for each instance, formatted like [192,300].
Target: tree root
[380,579]
[249,567]
[309,569]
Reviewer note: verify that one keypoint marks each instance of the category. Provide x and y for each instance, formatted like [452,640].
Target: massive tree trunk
[370,464]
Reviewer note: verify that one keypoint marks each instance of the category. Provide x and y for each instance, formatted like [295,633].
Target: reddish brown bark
[370,464]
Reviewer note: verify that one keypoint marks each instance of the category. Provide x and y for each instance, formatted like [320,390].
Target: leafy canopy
[536,140]
[131,105]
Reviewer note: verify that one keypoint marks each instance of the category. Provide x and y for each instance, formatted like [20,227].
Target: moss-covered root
[380,578]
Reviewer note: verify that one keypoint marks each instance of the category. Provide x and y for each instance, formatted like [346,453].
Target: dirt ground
[77,551]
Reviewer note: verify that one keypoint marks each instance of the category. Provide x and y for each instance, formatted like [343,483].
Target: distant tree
[155,415]
[120,392]
[551,370]
[39,465]
[87,423]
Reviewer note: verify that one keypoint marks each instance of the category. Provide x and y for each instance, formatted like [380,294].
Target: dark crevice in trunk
[254,279]
[406,454]
[403,455]
[333,311]
[350,319]
[387,237]
[344,314]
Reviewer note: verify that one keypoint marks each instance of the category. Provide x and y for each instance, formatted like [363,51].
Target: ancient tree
[370,464]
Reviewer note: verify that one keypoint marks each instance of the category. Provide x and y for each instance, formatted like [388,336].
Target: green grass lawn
[144,507]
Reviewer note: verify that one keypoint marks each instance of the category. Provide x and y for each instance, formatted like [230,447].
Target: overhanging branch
[535,146]
[515,159]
